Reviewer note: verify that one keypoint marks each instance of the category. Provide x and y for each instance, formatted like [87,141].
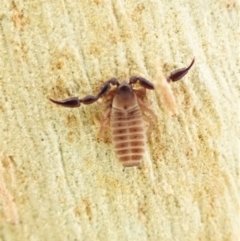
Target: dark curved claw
[142,81]
[106,87]
[179,73]
[70,102]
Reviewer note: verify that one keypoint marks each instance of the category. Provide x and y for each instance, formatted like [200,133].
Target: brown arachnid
[126,113]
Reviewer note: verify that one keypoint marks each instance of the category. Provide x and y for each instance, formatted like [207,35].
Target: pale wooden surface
[58,182]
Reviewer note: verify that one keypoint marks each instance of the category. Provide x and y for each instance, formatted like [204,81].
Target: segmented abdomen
[128,135]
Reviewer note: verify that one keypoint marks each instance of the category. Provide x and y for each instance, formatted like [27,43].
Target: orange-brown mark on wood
[71,120]
[231,4]
[94,49]
[138,12]
[59,64]
[9,206]
[71,136]
[113,38]
[97,2]
[59,89]
[19,20]
[84,208]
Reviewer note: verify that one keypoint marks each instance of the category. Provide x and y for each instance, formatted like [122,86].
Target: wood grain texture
[58,181]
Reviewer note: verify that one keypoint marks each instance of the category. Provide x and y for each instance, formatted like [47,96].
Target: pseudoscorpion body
[126,113]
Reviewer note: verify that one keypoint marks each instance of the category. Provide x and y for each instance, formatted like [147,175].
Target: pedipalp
[179,73]
[89,99]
